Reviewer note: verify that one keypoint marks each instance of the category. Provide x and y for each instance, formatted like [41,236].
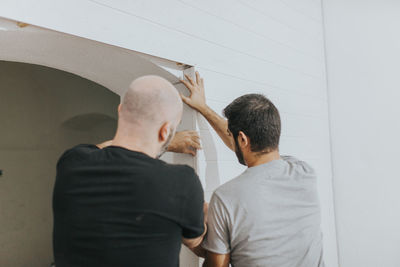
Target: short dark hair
[258,118]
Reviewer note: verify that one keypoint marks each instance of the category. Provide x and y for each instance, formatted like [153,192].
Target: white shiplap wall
[363,58]
[275,47]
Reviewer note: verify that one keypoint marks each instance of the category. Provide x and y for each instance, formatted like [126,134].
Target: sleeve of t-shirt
[218,236]
[304,166]
[192,216]
[289,158]
[76,152]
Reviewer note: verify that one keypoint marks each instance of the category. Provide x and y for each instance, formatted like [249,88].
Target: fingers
[189,132]
[195,144]
[190,79]
[188,85]
[191,84]
[194,139]
[198,80]
[192,152]
[193,133]
[187,142]
[185,98]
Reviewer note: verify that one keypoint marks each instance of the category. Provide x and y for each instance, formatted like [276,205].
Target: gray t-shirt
[269,216]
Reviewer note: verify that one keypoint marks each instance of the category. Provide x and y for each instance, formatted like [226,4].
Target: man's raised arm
[197,101]
[187,142]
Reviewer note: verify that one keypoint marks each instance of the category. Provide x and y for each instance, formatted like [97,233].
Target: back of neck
[262,159]
[134,144]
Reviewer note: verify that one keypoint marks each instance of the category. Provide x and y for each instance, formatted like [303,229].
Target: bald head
[150,102]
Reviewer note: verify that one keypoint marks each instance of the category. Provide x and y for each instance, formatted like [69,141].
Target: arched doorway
[57,90]
[43,111]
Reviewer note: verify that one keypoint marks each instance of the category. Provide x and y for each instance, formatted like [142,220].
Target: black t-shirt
[116,207]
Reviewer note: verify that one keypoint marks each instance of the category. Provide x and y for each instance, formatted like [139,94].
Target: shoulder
[183,174]
[180,170]
[299,166]
[228,191]
[76,152]
[185,170]
[229,196]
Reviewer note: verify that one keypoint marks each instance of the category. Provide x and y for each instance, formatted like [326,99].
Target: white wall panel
[270,47]
[236,39]
[286,14]
[363,72]
[245,17]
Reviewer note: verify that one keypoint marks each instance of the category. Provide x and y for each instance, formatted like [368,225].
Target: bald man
[116,204]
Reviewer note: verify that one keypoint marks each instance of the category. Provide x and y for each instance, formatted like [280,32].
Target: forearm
[216,260]
[199,251]
[219,124]
[193,243]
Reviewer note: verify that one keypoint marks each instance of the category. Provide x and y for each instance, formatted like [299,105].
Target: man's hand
[197,99]
[187,142]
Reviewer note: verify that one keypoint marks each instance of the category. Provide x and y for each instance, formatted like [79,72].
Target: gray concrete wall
[43,111]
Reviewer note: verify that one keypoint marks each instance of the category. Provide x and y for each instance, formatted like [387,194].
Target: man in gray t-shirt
[268,216]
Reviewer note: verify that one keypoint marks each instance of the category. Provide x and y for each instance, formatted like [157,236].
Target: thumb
[185,98]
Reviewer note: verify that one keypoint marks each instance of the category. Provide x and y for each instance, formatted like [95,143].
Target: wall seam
[329,125]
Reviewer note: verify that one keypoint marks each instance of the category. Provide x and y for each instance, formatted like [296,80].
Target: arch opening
[43,112]
[56,91]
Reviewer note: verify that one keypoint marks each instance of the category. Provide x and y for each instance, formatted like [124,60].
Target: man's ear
[119,108]
[243,140]
[163,133]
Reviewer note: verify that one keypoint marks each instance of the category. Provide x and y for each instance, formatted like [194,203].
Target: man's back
[117,207]
[268,216]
